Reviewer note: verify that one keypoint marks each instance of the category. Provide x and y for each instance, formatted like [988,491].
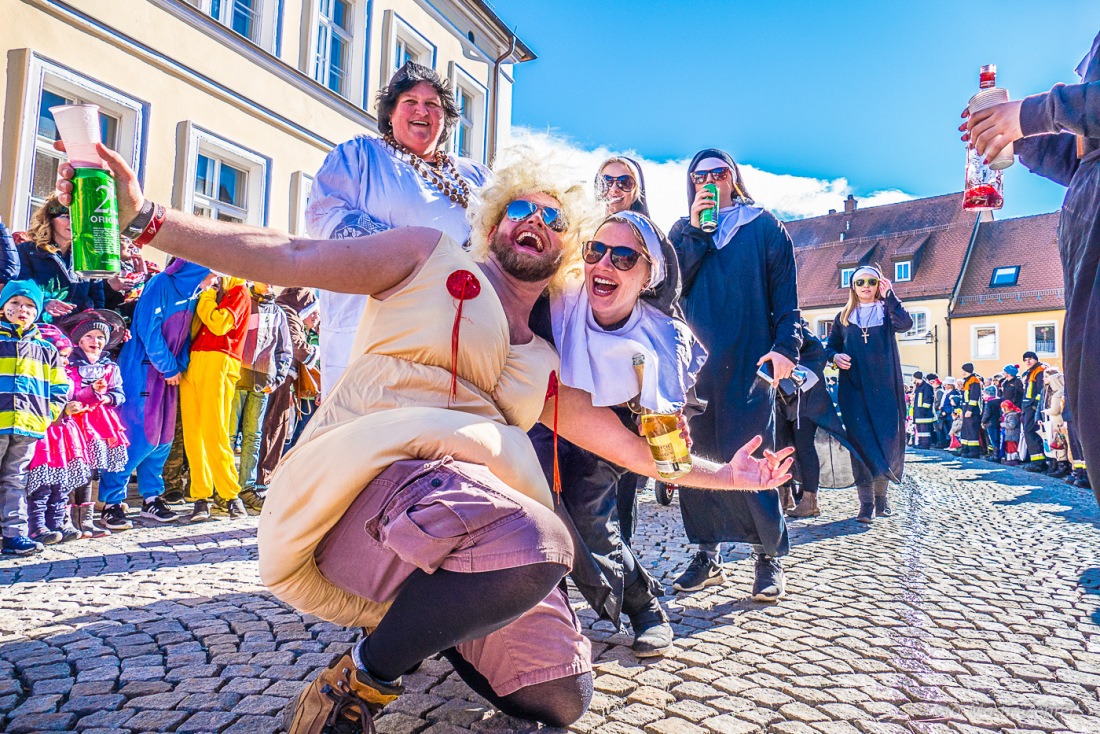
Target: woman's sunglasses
[625,183]
[622,257]
[719,174]
[866,281]
[520,209]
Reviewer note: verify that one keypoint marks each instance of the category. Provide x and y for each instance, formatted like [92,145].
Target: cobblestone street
[973,609]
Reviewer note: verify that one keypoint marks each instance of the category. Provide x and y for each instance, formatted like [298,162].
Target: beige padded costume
[392,404]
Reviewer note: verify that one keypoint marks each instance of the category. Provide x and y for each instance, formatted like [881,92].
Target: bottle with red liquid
[984,182]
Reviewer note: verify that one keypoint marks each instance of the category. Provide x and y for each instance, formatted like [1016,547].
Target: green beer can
[94,217]
[708,218]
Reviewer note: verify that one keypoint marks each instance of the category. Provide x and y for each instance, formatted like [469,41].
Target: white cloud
[787,196]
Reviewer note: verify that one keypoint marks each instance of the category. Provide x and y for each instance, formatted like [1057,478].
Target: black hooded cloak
[871,393]
[1063,144]
[741,302]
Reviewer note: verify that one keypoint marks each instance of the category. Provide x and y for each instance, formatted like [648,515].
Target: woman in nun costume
[871,393]
[1057,135]
[625,305]
[741,300]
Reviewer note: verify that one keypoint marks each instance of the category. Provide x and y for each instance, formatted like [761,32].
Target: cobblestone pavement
[973,609]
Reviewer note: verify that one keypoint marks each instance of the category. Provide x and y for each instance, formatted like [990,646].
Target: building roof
[522,52]
[1028,242]
[933,233]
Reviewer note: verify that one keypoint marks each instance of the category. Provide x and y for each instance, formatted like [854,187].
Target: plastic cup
[988,98]
[79,128]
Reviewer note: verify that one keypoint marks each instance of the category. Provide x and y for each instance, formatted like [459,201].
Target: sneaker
[218,505]
[21,545]
[200,512]
[252,499]
[155,508]
[340,699]
[69,532]
[700,573]
[235,509]
[175,497]
[47,537]
[114,518]
[770,582]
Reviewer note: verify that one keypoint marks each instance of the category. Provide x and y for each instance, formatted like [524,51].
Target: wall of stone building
[1014,337]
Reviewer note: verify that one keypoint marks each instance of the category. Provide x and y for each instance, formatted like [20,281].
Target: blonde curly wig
[40,232]
[526,172]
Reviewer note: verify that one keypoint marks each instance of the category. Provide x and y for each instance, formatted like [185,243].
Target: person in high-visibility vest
[1032,402]
[924,410]
[972,414]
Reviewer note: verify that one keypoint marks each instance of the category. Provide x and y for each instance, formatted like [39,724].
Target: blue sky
[867,92]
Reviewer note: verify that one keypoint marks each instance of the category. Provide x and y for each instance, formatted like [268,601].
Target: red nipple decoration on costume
[552,392]
[461,284]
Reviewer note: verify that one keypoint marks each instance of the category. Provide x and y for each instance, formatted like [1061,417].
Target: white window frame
[198,140]
[462,80]
[266,17]
[818,323]
[974,355]
[846,277]
[1031,337]
[916,332]
[45,74]
[399,29]
[908,265]
[301,186]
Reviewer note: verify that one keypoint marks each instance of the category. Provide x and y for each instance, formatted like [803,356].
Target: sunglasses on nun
[520,209]
[625,183]
[719,174]
[622,257]
[866,281]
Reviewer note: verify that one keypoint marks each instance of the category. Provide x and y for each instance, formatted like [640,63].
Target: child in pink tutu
[97,383]
[60,463]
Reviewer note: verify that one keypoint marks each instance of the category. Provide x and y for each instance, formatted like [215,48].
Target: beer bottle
[662,432]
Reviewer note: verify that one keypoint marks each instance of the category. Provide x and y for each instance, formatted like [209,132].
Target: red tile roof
[934,232]
[1031,243]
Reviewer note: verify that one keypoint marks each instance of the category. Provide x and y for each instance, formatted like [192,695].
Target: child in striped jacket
[33,391]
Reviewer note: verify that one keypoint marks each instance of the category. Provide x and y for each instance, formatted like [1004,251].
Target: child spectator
[266,363]
[60,463]
[991,421]
[33,391]
[206,397]
[1011,418]
[956,429]
[151,364]
[97,382]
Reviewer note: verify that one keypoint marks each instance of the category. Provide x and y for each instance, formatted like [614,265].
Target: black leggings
[434,612]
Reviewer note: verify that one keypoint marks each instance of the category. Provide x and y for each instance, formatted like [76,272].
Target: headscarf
[869,315]
[730,218]
[600,361]
[640,204]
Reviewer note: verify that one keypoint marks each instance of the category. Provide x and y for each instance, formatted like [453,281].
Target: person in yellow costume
[414,505]
[206,395]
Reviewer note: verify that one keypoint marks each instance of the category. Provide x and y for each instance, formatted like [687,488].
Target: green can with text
[94,217]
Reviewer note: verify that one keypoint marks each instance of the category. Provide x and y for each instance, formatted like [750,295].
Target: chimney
[850,204]
[832,211]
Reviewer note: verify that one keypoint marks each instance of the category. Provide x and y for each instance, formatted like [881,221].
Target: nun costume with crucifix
[871,393]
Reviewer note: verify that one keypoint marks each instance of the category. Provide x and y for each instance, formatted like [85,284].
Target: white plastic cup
[988,98]
[79,128]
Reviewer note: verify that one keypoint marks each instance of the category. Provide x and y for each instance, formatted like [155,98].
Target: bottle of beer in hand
[662,432]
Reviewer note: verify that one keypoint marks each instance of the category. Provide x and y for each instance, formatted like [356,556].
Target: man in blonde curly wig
[414,505]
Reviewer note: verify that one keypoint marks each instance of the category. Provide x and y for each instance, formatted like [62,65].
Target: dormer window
[846,277]
[903,271]
[1004,277]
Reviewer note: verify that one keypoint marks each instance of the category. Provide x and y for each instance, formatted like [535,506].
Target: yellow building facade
[228,108]
[991,342]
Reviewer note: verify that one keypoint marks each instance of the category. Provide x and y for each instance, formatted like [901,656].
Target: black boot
[1036,466]
[882,507]
[1083,481]
[866,513]
[652,632]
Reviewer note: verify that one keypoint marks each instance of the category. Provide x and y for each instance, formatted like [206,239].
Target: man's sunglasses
[520,209]
[866,281]
[625,182]
[622,257]
[719,174]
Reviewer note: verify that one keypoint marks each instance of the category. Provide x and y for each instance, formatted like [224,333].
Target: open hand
[884,287]
[130,196]
[748,473]
[56,308]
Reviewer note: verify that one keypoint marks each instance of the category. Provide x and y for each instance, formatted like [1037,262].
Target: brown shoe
[807,506]
[786,497]
[340,699]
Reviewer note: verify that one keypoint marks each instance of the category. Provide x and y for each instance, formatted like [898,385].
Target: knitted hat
[55,336]
[933,376]
[106,321]
[968,368]
[26,288]
[918,375]
[1012,369]
[1031,355]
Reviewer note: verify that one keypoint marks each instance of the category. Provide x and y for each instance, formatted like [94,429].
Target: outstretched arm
[599,431]
[373,265]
